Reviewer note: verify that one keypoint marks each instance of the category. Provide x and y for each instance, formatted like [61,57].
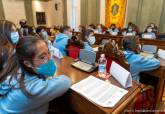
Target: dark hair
[85,33]
[75,41]
[92,26]
[25,50]
[39,28]
[6,45]
[130,43]
[5,31]
[64,28]
[112,25]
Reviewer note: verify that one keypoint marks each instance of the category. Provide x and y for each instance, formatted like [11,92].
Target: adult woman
[137,62]
[27,88]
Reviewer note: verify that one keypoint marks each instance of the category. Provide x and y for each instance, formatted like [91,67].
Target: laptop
[86,61]
[149,51]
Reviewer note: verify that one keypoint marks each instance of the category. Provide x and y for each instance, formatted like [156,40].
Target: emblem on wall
[115,9]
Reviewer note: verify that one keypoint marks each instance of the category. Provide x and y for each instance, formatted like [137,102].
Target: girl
[88,39]
[28,88]
[137,62]
[8,39]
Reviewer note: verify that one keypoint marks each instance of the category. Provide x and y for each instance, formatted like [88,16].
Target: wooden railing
[118,39]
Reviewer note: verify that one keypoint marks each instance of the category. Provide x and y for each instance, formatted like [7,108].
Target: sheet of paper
[161,53]
[121,75]
[99,92]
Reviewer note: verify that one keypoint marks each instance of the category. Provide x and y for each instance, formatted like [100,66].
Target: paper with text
[121,75]
[99,92]
[161,53]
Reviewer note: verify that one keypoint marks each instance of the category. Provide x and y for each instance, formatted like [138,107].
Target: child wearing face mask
[8,39]
[41,31]
[88,38]
[113,30]
[149,32]
[61,39]
[137,62]
[27,88]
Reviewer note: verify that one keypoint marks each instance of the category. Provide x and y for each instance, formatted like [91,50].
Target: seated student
[113,30]
[28,88]
[56,53]
[41,31]
[130,31]
[8,39]
[99,28]
[154,28]
[91,26]
[74,46]
[88,39]
[24,30]
[81,28]
[61,39]
[137,62]
[148,33]
[54,30]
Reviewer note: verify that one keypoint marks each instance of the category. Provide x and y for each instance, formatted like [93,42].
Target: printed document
[99,92]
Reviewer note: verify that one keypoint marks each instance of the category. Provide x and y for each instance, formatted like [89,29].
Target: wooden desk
[118,39]
[83,106]
[160,74]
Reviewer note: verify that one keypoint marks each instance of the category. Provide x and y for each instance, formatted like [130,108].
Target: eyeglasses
[44,59]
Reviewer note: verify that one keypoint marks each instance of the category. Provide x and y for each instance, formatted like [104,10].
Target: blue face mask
[14,37]
[47,69]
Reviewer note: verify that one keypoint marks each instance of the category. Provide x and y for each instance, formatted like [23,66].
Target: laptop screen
[87,56]
[149,48]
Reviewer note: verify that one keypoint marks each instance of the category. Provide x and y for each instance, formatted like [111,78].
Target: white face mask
[91,40]
[149,30]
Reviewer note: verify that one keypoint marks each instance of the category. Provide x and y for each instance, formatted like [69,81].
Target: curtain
[29,12]
[2,15]
[115,12]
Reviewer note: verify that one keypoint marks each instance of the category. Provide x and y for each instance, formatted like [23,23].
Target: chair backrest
[73,51]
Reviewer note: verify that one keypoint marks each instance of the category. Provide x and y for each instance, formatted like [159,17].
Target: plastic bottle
[102,66]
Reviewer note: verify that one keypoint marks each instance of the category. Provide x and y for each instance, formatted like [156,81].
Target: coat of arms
[115,9]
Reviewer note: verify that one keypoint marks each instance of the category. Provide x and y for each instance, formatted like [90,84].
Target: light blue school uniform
[139,63]
[111,30]
[153,36]
[61,42]
[14,101]
[87,46]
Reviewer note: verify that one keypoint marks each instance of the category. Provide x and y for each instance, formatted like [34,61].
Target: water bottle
[102,66]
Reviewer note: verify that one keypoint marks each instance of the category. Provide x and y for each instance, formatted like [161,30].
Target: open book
[99,92]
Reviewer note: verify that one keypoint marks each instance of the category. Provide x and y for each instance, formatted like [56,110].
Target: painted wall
[102,12]
[53,17]
[14,10]
[90,12]
[143,12]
